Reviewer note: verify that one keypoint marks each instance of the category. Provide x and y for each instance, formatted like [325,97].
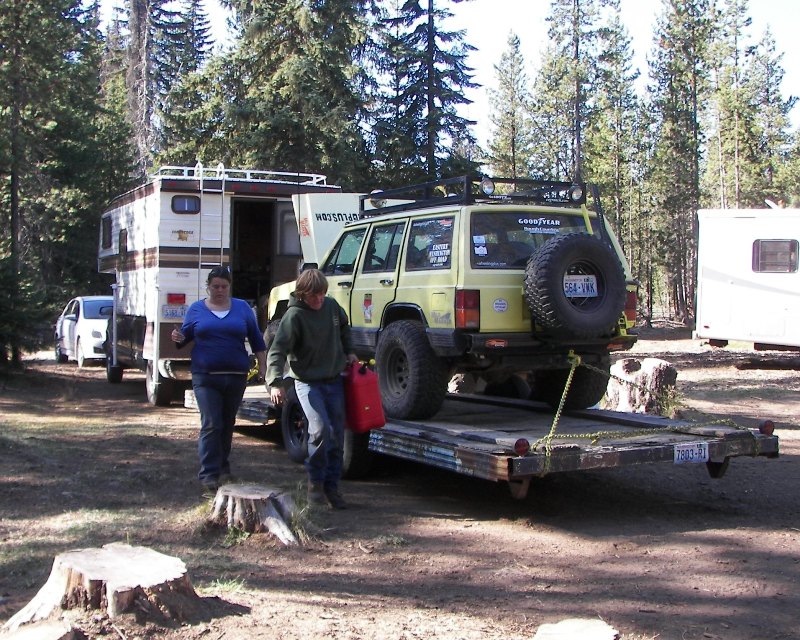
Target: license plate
[690,452]
[171,312]
[580,286]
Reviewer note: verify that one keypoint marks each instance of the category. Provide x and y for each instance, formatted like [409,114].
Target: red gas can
[362,399]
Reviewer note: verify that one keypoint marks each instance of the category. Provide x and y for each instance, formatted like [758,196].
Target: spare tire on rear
[582,316]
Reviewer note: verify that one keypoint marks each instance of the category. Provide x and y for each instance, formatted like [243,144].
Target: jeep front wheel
[412,378]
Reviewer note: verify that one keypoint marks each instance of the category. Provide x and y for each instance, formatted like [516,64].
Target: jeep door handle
[387,281]
[344,284]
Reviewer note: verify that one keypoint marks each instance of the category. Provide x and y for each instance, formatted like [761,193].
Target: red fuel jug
[362,399]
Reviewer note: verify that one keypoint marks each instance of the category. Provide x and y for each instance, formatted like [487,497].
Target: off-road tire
[113,373]
[294,426]
[357,460]
[160,394]
[412,378]
[587,389]
[575,254]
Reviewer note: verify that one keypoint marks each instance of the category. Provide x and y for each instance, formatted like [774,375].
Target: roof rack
[250,175]
[473,189]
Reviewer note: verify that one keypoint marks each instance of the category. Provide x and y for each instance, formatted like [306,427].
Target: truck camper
[161,239]
[748,283]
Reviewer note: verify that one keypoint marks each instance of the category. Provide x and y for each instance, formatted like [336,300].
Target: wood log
[256,508]
[641,386]
[115,578]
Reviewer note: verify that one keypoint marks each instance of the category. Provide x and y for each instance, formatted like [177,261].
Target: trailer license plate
[580,286]
[691,452]
[173,312]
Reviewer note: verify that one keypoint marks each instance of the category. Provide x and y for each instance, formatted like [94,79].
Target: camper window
[775,256]
[105,232]
[186,204]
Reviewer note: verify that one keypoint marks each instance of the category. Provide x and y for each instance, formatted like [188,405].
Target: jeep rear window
[430,244]
[506,239]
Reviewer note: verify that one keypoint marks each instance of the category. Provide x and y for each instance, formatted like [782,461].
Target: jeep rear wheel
[412,378]
[587,389]
[575,254]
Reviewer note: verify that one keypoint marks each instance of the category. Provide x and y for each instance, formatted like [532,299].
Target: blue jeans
[323,404]
[218,397]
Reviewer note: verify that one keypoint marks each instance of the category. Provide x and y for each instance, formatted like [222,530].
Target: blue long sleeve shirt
[219,342]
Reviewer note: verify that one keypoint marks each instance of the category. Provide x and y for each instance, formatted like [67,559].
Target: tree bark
[255,508]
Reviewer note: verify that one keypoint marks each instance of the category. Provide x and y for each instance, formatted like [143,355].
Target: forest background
[371,93]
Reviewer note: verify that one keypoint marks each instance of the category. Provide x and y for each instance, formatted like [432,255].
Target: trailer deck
[483,436]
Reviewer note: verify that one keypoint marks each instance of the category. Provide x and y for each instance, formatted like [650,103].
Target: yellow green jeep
[498,278]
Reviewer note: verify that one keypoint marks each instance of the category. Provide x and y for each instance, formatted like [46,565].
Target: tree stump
[114,578]
[641,386]
[255,508]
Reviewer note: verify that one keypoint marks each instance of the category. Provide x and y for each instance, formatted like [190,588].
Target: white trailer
[160,239]
[748,284]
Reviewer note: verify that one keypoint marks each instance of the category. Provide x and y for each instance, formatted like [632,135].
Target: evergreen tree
[678,96]
[51,185]
[436,75]
[509,151]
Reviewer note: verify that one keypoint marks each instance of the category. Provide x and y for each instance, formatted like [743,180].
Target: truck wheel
[294,427]
[575,254]
[587,389]
[159,393]
[358,459]
[412,379]
[61,357]
[113,373]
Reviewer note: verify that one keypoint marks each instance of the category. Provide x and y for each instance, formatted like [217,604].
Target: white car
[81,329]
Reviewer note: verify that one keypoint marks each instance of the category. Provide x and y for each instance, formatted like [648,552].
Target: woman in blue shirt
[218,325]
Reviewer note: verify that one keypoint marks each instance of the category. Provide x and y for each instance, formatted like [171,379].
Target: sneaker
[316,495]
[335,498]
[210,486]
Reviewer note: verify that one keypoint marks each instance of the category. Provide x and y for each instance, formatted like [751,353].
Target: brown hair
[219,272]
[310,281]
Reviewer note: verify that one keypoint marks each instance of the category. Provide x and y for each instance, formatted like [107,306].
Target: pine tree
[509,149]
[679,93]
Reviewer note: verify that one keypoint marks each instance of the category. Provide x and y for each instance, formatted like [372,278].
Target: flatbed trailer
[514,441]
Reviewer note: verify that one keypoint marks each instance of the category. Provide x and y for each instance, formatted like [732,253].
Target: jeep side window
[430,244]
[344,254]
[384,248]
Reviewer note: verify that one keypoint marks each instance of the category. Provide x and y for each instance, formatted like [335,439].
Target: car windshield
[506,239]
[96,309]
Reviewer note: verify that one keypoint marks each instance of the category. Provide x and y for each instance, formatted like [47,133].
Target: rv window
[105,232]
[289,239]
[186,204]
[775,256]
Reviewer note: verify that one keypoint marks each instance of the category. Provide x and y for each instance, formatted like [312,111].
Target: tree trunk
[255,508]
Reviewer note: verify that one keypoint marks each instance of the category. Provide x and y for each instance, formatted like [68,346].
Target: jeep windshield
[506,239]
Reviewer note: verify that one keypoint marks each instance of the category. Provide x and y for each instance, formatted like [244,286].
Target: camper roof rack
[220,172]
[473,189]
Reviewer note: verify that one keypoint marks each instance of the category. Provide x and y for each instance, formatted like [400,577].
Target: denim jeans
[218,397]
[323,404]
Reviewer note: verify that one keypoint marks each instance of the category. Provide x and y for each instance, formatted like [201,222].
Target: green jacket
[316,343]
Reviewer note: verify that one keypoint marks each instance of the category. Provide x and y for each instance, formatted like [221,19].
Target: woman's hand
[352,358]
[177,336]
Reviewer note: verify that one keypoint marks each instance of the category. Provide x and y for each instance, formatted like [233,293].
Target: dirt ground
[656,551]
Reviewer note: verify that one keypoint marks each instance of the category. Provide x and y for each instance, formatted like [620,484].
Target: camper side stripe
[170,257]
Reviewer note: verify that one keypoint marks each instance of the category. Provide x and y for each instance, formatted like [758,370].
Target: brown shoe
[316,494]
[335,498]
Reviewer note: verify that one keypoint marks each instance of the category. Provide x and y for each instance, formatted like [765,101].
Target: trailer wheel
[358,458]
[587,389]
[113,373]
[294,427]
[575,254]
[412,378]
[159,392]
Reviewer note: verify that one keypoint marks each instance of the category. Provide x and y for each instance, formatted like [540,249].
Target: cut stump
[115,578]
[256,508]
[641,386]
